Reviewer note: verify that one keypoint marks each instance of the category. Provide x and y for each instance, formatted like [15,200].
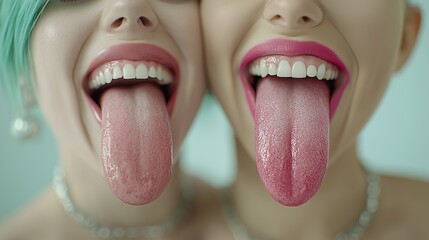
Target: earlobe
[409,35]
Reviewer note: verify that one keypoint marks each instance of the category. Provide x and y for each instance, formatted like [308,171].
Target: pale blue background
[395,141]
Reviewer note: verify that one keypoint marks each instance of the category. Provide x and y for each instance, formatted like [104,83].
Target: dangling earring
[25,125]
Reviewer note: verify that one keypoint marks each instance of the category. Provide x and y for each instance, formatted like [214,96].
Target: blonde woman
[298,79]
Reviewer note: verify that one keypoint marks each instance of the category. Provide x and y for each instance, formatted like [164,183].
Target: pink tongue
[136,142]
[292,137]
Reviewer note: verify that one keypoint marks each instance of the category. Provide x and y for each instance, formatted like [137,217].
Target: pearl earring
[25,125]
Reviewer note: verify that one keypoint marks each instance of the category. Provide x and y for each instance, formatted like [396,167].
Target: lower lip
[293,48]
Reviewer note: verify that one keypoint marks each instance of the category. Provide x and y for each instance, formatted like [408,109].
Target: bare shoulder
[410,195]
[32,221]
[403,209]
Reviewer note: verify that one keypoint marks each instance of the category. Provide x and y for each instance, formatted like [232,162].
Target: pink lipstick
[290,48]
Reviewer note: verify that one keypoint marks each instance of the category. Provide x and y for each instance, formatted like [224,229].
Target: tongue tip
[292,192]
[138,200]
[291,202]
[142,199]
[294,199]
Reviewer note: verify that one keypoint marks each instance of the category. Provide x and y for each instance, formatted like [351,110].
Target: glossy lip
[133,52]
[292,49]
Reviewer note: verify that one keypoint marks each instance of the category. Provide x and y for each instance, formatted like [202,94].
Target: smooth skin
[374,40]
[66,38]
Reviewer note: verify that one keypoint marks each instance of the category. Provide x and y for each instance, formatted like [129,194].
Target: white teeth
[258,70]
[263,68]
[299,70]
[128,71]
[117,72]
[272,69]
[108,76]
[321,72]
[336,73]
[102,78]
[141,72]
[284,69]
[311,71]
[152,72]
[159,73]
[329,74]
[252,70]
[97,81]
[167,78]
[333,76]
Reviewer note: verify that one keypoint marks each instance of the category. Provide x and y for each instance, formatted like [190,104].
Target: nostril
[277,17]
[306,19]
[303,20]
[118,22]
[145,22]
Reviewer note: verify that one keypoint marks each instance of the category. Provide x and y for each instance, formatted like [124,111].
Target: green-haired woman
[119,82]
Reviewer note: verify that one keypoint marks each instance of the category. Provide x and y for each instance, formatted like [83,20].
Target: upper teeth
[142,71]
[298,69]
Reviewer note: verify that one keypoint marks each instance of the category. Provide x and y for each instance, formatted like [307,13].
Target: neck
[332,210]
[87,186]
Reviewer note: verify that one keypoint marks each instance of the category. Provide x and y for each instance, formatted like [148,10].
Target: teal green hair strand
[17,18]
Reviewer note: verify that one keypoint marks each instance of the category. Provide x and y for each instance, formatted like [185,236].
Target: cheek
[372,29]
[183,25]
[51,63]
[375,43]
[226,23]
[376,47]
[55,46]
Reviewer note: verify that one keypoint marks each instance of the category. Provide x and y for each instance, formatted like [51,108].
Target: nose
[129,16]
[293,14]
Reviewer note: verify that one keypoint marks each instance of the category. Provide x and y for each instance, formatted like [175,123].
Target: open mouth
[287,67]
[129,74]
[293,60]
[145,64]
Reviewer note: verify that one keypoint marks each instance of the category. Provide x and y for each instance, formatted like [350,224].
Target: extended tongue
[292,137]
[136,142]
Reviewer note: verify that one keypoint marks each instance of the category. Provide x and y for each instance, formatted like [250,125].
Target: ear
[409,35]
